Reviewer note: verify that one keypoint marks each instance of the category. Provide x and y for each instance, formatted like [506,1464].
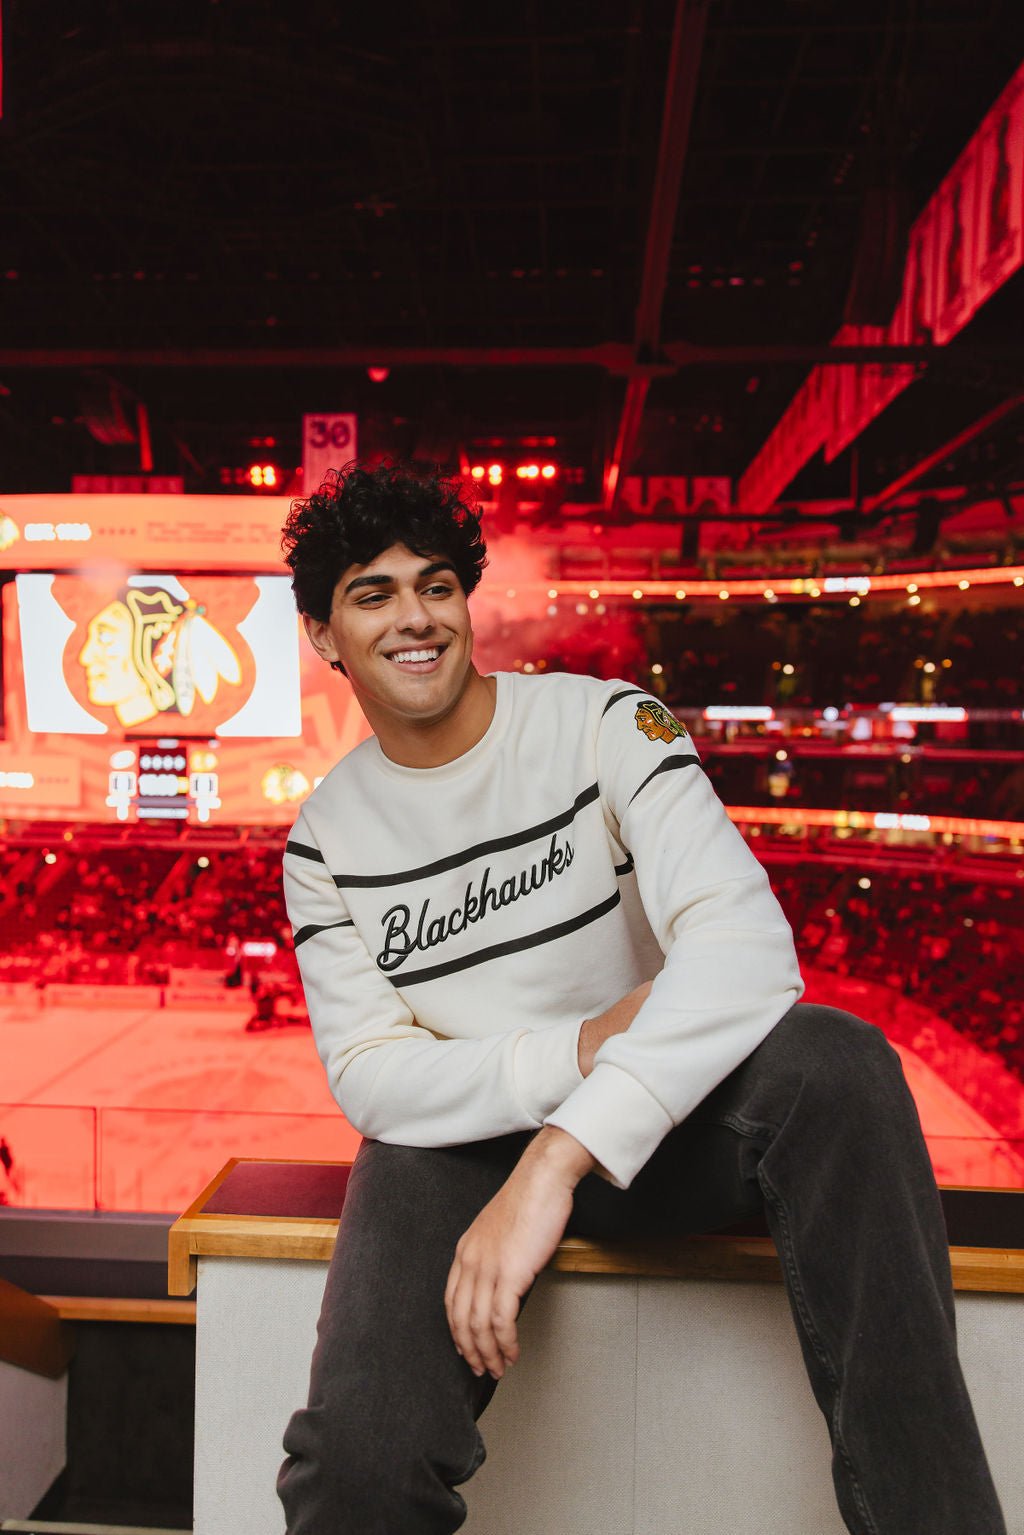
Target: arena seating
[133,916]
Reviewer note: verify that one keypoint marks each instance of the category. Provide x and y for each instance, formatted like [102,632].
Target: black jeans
[817,1129]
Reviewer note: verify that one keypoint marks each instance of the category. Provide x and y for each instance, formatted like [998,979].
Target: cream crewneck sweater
[454,926]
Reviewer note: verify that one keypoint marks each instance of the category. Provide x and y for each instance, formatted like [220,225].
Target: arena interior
[719,308]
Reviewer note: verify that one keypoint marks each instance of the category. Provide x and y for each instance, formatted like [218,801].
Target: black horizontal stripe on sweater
[623,693]
[302,850]
[312,928]
[668,766]
[499,950]
[468,854]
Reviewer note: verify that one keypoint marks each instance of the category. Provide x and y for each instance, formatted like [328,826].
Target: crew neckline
[492,735]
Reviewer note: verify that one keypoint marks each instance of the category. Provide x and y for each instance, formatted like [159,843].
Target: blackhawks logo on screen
[150,654]
[149,649]
[656,723]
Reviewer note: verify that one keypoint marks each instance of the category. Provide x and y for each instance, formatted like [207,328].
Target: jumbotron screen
[135,696]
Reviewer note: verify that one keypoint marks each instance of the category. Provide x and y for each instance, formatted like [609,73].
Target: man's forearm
[559,1152]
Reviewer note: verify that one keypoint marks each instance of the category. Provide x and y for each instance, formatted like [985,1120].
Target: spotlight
[548,472]
[478,471]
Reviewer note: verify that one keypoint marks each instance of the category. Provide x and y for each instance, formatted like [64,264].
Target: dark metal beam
[680,93]
[969,434]
[617,357]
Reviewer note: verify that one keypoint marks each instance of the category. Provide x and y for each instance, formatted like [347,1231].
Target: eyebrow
[386,580]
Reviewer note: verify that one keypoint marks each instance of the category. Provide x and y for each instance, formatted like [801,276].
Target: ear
[320,637]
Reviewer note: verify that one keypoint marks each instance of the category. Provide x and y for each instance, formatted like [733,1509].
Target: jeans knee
[844,1060]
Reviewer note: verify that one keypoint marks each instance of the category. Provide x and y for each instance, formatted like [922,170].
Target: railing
[77,1158]
[82,1158]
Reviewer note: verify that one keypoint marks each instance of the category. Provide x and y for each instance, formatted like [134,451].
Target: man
[552,988]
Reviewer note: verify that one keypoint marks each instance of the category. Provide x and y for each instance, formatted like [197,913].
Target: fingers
[481,1317]
[504,1312]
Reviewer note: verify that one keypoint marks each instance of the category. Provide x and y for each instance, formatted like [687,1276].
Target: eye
[439,589]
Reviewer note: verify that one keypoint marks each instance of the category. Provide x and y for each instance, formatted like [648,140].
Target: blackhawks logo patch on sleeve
[657,724]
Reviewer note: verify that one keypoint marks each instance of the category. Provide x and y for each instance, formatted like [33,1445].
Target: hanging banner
[1000,214]
[958,291]
[328,442]
[966,243]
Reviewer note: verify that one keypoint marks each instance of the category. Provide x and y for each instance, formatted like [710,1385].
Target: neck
[432,743]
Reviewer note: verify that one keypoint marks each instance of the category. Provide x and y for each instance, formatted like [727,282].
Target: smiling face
[400,626]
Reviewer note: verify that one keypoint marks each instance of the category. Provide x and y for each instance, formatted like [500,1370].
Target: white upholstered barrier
[639,1406]
[33,1414]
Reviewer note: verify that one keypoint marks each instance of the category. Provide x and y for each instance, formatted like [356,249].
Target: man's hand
[616,1020]
[508,1244]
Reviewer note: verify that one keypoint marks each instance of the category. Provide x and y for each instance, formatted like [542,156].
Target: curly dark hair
[359,512]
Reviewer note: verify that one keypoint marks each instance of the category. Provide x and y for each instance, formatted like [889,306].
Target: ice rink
[130,1108]
[114,1105]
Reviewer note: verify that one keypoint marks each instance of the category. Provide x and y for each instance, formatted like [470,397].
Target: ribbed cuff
[547,1067]
[616,1119]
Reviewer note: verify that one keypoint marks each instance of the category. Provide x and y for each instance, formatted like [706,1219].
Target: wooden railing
[32,1334]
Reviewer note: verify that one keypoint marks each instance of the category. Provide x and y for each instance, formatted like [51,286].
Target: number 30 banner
[328,442]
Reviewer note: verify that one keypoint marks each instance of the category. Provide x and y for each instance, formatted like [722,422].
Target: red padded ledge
[316,1191]
[302,1190]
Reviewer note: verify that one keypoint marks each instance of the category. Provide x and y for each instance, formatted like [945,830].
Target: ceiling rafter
[680,94]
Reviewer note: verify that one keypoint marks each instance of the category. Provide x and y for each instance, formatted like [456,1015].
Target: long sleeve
[730,969]
[394,1079]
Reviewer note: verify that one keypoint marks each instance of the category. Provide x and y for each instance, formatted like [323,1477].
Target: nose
[413,613]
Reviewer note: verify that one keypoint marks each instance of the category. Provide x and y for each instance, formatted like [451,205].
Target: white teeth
[402,656]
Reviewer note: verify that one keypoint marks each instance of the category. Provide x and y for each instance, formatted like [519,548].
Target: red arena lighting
[263,476]
[478,471]
[548,472]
